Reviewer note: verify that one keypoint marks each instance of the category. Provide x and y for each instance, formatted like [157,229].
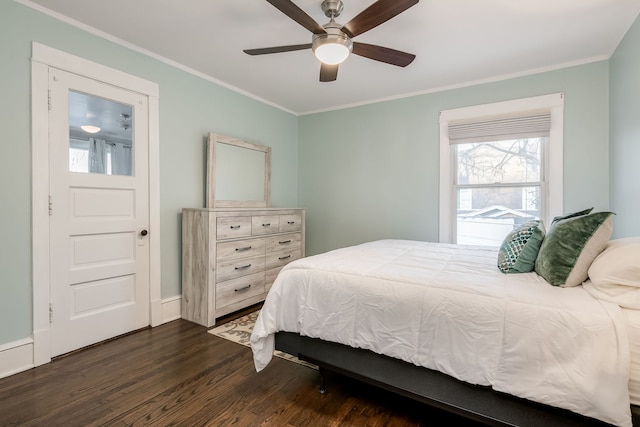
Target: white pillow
[615,273]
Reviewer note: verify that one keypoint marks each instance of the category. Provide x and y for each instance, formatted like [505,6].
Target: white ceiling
[457,43]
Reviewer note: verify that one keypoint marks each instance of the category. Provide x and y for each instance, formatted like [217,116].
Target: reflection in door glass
[100,135]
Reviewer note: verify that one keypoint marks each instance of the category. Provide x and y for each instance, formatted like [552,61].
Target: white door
[99,211]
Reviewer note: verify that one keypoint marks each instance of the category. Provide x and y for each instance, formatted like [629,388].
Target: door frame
[43,58]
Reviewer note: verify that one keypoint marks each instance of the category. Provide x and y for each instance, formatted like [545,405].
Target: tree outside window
[498,187]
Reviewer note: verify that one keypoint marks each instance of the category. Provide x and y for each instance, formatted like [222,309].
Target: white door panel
[102,202]
[93,257]
[102,295]
[91,251]
[99,257]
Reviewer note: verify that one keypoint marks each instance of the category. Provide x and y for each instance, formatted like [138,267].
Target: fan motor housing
[334,36]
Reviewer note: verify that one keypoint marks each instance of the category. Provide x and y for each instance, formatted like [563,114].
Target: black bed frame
[433,388]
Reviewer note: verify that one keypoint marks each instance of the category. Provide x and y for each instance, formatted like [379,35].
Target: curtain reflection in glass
[120,159]
[97,156]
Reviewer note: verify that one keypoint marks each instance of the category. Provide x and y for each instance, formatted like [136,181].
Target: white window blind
[502,128]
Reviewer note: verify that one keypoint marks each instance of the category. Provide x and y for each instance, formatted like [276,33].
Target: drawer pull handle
[235,227]
[267,224]
[242,267]
[284,242]
[246,248]
[242,289]
[284,257]
[291,222]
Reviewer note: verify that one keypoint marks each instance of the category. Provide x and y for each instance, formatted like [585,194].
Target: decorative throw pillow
[571,215]
[520,248]
[571,245]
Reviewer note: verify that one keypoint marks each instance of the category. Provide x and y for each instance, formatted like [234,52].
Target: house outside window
[497,186]
[500,166]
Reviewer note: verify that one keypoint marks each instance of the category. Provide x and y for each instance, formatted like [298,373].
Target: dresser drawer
[282,258]
[291,222]
[231,227]
[231,269]
[236,290]
[265,224]
[284,241]
[240,249]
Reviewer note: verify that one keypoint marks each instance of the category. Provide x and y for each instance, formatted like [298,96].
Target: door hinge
[49,99]
[50,313]
[50,206]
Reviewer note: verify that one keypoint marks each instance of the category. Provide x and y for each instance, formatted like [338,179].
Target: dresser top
[252,210]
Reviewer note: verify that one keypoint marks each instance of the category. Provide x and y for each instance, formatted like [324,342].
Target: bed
[504,349]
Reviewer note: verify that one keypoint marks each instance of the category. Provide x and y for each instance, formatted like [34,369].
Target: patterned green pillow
[570,247]
[519,249]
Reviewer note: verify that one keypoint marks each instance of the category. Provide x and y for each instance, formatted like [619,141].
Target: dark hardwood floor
[179,375]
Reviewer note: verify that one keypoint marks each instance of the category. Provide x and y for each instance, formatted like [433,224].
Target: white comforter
[448,308]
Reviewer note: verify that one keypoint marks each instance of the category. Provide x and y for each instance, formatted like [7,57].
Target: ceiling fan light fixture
[90,128]
[331,48]
[332,42]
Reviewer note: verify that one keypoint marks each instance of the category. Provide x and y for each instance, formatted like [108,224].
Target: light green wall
[15,184]
[624,116]
[190,107]
[371,172]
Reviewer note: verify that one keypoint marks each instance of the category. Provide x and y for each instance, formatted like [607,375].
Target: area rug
[239,331]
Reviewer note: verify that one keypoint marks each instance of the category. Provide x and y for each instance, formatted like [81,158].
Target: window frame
[551,187]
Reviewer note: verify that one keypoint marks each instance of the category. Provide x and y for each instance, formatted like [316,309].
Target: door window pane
[100,135]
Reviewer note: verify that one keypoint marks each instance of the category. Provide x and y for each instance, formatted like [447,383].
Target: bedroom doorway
[99,211]
[111,228]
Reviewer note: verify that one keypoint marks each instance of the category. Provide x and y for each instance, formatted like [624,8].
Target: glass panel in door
[100,135]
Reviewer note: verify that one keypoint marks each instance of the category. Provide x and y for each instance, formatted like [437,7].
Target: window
[496,187]
[115,158]
[500,166]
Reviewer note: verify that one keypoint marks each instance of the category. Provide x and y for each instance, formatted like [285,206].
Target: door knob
[144,232]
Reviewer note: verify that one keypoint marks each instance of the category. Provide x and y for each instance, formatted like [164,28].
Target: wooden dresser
[231,256]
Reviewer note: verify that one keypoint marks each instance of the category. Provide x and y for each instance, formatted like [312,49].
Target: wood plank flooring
[179,375]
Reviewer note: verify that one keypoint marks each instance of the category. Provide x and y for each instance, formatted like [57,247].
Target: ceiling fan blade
[277,49]
[383,54]
[379,12]
[294,12]
[328,73]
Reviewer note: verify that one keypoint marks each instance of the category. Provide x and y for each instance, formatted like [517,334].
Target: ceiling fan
[332,43]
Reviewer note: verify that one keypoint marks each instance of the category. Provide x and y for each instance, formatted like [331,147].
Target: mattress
[447,307]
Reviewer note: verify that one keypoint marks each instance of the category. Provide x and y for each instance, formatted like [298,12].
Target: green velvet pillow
[571,245]
[571,215]
[520,248]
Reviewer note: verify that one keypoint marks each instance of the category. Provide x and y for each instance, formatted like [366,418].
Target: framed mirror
[238,173]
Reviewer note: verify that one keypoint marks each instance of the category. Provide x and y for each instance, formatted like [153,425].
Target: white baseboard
[21,355]
[171,309]
[16,357]
[41,347]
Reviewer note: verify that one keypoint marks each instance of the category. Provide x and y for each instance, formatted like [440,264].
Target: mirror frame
[211,201]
